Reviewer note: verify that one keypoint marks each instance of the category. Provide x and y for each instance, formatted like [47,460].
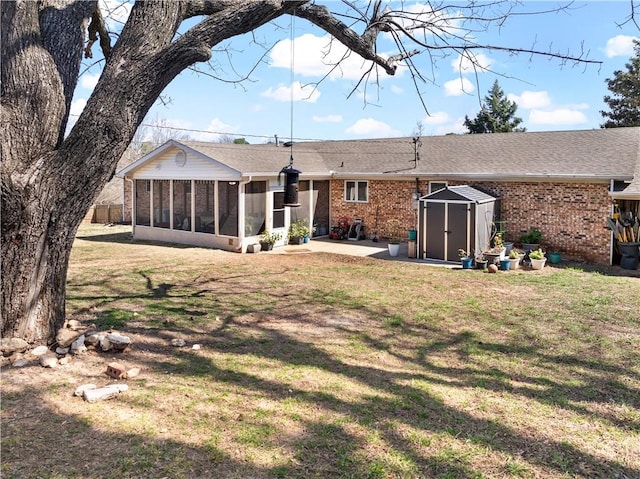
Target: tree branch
[362,45]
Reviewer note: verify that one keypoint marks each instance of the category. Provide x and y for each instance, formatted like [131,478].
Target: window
[436,186]
[278,210]
[356,191]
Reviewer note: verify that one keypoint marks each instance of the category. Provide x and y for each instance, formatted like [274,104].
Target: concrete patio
[357,248]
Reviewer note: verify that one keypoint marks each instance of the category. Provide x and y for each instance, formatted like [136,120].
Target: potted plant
[514,259]
[268,239]
[480,262]
[392,230]
[537,259]
[531,240]
[497,251]
[465,258]
[298,230]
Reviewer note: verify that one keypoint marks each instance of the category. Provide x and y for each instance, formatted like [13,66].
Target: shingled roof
[586,155]
[262,160]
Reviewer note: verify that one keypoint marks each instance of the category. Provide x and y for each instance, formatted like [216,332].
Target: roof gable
[163,163]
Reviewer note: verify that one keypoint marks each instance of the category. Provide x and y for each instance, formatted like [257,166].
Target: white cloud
[307,93]
[442,123]
[217,127]
[559,116]
[327,118]
[531,99]
[89,81]
[77,106]
[620,46]
[471,62]
[396,89]
[458,87]
[315,57]
[368,127]
[437,118]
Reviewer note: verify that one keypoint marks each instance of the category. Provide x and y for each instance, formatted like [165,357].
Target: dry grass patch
[320,365]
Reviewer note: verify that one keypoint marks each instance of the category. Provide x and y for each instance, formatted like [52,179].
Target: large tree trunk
[49,181]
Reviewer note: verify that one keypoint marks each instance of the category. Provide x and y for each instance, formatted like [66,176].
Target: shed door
[435,238]
[457,229]
[447,230]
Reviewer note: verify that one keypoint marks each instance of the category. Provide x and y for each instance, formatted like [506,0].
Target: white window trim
[431,190]
[357,182]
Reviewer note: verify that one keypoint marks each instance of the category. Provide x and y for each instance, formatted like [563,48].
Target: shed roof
[463,193]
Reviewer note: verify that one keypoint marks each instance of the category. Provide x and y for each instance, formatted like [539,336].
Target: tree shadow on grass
[403,398]
[41,442]
[407,405]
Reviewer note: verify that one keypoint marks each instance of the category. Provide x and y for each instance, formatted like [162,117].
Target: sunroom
[182,195]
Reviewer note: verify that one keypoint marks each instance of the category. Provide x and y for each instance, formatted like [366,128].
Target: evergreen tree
[624,100]
[497,114]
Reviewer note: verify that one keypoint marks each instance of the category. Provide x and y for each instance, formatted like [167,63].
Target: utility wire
[222,133]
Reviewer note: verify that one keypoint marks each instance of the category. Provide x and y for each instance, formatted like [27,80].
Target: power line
[240,135]
[244,135]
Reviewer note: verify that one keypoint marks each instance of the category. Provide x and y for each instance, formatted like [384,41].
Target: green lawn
[330,366]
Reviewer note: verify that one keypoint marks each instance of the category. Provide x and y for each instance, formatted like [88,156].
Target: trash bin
[630,255]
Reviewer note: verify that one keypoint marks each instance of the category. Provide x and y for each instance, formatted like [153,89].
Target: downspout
[612,235]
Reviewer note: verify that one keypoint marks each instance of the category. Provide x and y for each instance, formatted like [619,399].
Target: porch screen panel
[204,197]
[320,201]
[302,212]
[161,203]
[143,202]
[255,207]
[182,205]
[228,208]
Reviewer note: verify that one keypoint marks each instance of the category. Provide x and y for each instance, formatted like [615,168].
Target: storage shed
[453,218]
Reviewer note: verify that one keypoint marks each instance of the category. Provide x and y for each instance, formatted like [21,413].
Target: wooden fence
[104,214]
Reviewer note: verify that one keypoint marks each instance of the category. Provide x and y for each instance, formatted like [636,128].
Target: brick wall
[388,200]
[571,216]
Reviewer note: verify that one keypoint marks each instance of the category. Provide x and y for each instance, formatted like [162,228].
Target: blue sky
[550,95]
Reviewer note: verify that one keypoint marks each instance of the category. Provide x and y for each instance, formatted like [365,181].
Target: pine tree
[624,100]
[497,114]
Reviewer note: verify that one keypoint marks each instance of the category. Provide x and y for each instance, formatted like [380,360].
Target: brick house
[564,183]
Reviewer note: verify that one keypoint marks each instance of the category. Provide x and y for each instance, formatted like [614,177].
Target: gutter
[473,177]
